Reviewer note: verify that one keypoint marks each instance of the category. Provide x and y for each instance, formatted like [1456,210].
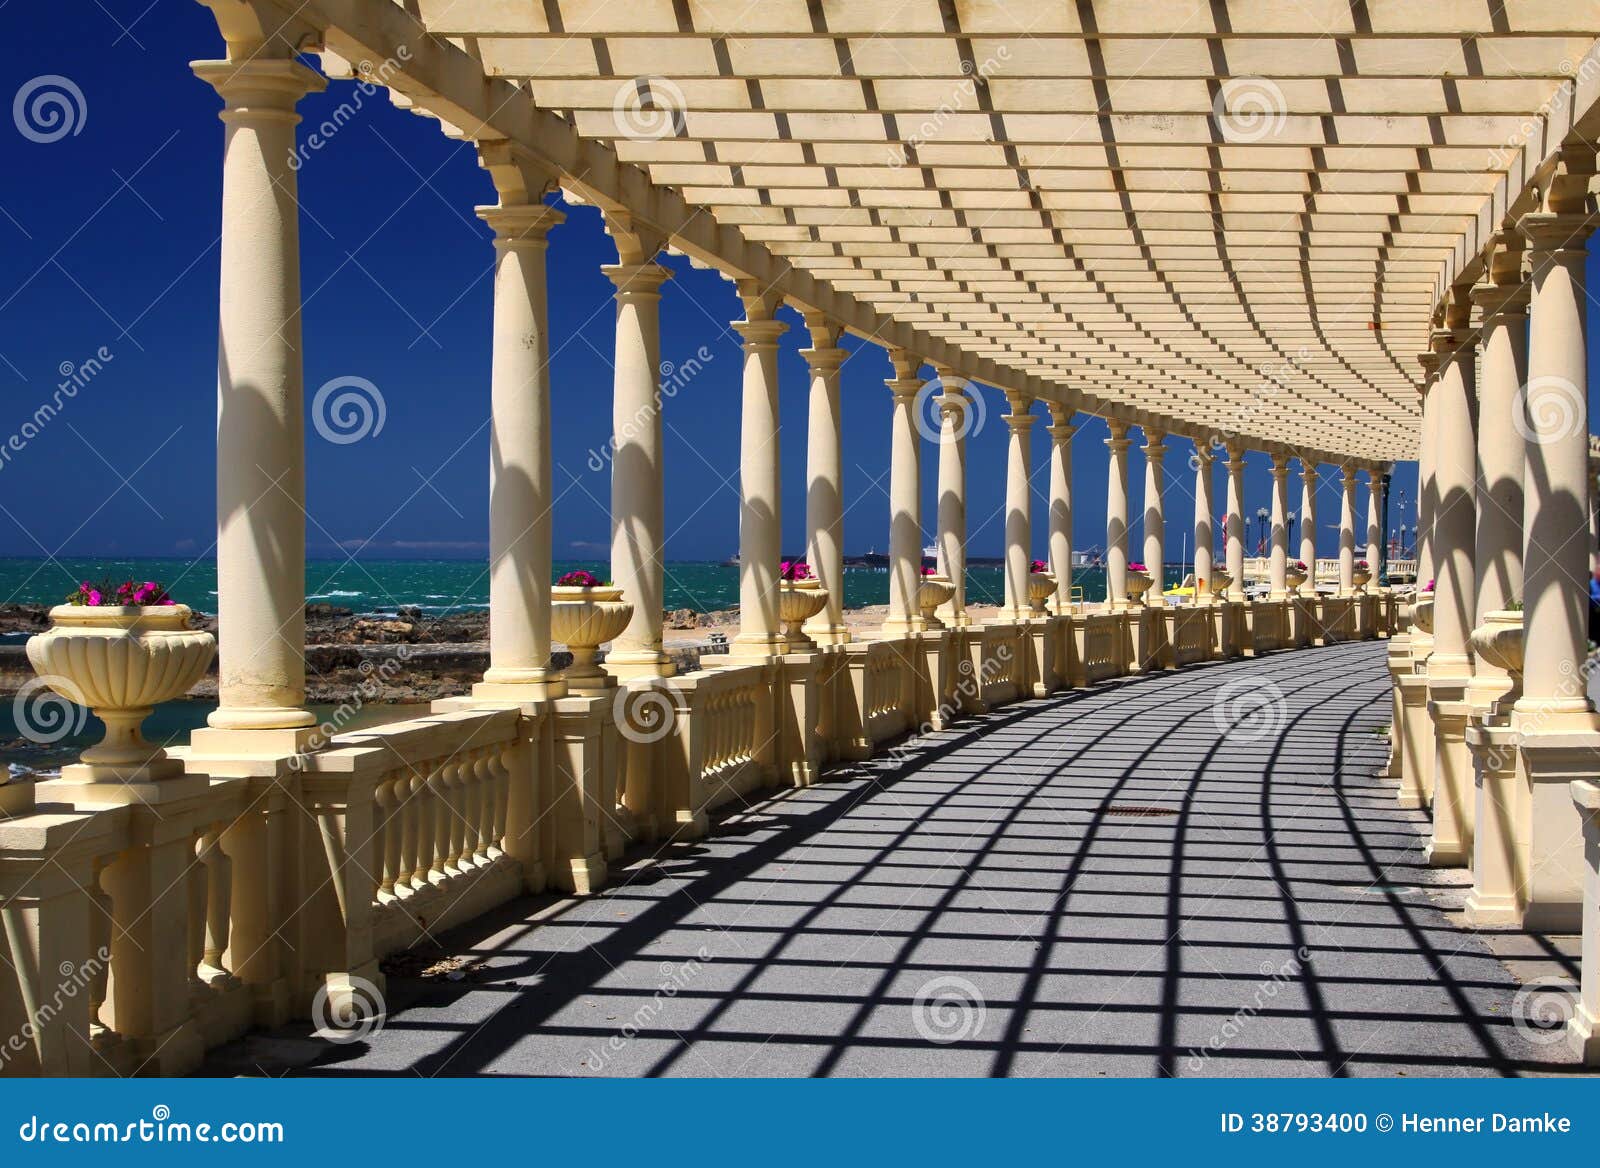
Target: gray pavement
[1188,874]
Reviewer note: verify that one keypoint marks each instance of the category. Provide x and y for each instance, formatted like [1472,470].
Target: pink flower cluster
[792,570]
[578,579]
[1135,567]
[1038,566]
[129,592]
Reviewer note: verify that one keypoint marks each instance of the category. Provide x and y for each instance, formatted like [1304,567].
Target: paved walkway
[1188,874]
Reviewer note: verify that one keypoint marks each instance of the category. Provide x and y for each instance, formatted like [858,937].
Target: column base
[1583,1037]
[1492,912]
[487,690]
[583,876]
[827,634]
[225,742]
[632,665]
[761,646]
[901,626]
[260,718]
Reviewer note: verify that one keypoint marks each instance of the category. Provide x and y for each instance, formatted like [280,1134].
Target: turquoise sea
[439,586]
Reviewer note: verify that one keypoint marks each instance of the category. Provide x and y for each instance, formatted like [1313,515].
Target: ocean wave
[331,594]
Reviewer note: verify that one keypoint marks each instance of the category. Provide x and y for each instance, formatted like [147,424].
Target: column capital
[953,403]
[1235,461]
[1019,404]
[824,330]
[1061,414]
[1348,472]
[823,360]
[759,335]
[905,364]
[1019,423]
[1118,442]
[1548,231]
[636,242]
[1501,302]
[1061,432]
[1308,466]
[1154,448]
[264,87]
[521,223]
[637,280]
[1280,465]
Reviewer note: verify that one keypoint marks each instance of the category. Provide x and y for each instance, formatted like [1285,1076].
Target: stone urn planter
[934,591]
[1498,640]
[798,602]
[120,661]
[1139,582]
[1219,583]
[1294,578]
[1041,587]
[583,619]
[1422,612]
[1361,578]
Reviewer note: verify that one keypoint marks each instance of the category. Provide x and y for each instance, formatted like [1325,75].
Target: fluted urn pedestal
[1138,584]
[121,662]
[1294,578]
[936,590]
[1041,587]
[1497,643]
[798,602]
[1360,578]
[1217,586]
[583,619]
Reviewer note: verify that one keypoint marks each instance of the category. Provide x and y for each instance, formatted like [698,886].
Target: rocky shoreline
[408,658]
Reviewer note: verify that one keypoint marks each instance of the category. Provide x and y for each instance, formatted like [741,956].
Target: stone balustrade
[150,925]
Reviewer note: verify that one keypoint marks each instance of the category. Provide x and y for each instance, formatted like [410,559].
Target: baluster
[444,819]
[194,878]
[219,905]
[100,925]
[389,839]
[422,810]
[504,760]
[469,782]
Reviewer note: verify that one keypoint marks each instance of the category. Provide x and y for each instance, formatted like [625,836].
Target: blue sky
[109,237]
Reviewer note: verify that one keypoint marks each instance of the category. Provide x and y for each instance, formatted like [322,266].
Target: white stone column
[1554,419]
[1347,530]
[955,419]
[1204,509]
[1235,531]
[760,487]
[637,525]
[1308,522]
[905,500]
[825,481]
[1061,432]
[1278,565]
[1427,487]
[261,545]
[1117,516]
[1374,553]
[1449,668]
[520,490]
[1155,521]
[1019,517]
[1503,370]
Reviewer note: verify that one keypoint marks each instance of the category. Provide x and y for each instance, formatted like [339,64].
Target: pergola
[1341,233]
